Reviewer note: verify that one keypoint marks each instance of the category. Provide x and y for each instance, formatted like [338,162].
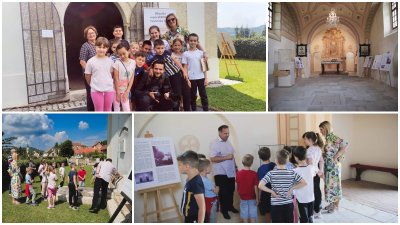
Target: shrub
[249,48]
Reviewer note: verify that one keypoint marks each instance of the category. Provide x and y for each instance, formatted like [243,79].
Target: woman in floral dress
[176,31]
[15,179]
[333,152]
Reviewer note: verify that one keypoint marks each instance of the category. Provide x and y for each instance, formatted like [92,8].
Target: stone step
[113,204]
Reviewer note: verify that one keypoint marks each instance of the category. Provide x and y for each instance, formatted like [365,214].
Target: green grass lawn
[247,96]
[24,213]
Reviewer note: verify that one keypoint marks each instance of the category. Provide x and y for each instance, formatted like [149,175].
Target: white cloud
[22,141]
[83,125]
[26,124]
[58,137]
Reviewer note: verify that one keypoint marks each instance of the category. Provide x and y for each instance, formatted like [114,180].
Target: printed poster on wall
[155,163]
[298,63]
[377,62]
[155,16]
[386,61]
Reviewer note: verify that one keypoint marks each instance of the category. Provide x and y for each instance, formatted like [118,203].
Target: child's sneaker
[70,206]
[48,207]
[34,204]
[75,208]
[317,215]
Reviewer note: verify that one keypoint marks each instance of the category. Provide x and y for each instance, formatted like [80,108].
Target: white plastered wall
[200,18]
[204,128]
[373,141]
[14,90]
[122,159]
[383,40]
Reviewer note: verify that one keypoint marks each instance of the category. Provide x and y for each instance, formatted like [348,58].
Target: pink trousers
[125,104]
[102,101]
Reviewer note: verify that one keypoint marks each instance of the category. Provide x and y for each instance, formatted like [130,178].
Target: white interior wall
[382,40]
[373,141]
[14,90]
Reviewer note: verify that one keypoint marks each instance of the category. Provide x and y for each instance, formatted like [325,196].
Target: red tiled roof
[84,151]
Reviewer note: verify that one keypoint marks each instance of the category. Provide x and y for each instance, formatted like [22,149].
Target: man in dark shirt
[154,93]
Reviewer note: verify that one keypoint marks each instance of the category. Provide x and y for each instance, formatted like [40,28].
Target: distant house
[77,145]
[100,147]
[51,153]
[80,149]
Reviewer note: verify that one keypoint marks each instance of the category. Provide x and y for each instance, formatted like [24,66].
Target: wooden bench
[361,168]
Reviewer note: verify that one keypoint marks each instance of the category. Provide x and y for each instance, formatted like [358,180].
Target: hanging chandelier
[332,19]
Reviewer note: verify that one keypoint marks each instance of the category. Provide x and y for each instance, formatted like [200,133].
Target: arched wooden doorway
[104,16]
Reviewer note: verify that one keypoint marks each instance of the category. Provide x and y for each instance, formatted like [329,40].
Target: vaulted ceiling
[359,15]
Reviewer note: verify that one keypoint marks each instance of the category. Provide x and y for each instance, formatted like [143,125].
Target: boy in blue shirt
[211,191]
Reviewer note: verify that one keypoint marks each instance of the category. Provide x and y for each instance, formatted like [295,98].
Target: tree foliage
[66,149]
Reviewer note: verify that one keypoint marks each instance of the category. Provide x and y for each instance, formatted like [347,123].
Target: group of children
[48,179]
[114,76]
[284,191]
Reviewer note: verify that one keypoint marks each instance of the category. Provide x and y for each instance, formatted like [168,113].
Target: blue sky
[42,131]
[232,14]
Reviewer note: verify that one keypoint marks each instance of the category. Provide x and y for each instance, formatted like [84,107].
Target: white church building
[41,42]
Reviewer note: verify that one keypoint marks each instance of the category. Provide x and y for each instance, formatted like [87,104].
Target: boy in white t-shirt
[304,195]
[198,79]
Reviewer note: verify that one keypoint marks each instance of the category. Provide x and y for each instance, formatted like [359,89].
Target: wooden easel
[157,190]
[159,206]
[227,54]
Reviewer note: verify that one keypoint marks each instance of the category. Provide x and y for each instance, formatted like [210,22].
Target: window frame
[270,14]
[394,15]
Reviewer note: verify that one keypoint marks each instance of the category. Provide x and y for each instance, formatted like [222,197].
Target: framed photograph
[301,50]
[364,50]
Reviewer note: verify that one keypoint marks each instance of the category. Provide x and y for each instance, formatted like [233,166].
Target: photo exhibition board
[155,163]
[386,61]
[367,61]
[377,62]
[155,16]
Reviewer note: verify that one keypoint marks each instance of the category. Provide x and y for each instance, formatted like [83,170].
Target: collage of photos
[199,112]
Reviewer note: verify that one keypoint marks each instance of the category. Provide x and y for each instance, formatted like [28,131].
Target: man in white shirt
[103,177]
[224,169]
[62,175]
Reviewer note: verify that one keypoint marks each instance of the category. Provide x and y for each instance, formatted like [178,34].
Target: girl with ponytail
[314,158]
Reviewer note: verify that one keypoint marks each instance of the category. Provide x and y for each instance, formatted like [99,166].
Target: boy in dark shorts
[264,205]
[193,206]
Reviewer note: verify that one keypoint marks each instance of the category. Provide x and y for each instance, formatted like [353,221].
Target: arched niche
[318,49]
